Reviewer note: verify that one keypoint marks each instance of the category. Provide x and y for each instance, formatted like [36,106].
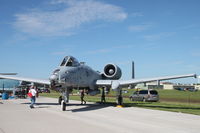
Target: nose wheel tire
[63,105]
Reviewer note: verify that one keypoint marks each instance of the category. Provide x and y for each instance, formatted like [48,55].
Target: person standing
[103,99]
[33,97]
[82,97]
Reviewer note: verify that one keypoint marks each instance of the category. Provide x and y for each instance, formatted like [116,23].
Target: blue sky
[161,36]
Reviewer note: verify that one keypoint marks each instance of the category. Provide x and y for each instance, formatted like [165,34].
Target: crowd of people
[33,94]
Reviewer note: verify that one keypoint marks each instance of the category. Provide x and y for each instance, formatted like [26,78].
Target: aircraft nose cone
[53,77]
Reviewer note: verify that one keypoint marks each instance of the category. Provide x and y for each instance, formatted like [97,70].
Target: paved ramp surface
[47,117]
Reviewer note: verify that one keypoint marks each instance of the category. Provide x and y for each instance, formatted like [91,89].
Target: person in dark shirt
[103,100]
[82,97]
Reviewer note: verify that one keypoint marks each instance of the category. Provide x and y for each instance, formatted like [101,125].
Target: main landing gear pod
[116,86]
[119,98]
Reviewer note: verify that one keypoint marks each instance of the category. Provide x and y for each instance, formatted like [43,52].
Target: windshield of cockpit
[63,62]
[69,61]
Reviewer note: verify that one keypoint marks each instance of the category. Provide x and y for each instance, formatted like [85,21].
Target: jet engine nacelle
[112,71]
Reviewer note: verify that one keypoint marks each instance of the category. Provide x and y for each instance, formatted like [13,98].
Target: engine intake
[112,71]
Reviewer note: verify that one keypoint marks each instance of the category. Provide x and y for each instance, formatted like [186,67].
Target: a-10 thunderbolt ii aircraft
[72,74]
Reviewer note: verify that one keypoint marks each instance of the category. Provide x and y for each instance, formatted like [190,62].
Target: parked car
[39,90]
[145,96]
[124,91]
[191,89]
[180,89]
[45,91]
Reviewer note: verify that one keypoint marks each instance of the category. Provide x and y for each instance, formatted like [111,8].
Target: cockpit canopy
[70,61]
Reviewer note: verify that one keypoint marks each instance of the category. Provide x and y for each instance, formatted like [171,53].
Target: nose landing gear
[63,100]
[63,105]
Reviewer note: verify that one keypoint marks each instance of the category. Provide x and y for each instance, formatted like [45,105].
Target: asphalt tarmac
[47,117]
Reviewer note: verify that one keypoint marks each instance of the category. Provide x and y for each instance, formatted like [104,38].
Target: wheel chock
[119,106]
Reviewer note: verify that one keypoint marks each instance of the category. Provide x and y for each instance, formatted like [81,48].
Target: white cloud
[195,54]
[193,67]
[110,49]
[58,1]
[159,36]
[139,28]
[67,19]
[189,27]
[179,62]
[137,14]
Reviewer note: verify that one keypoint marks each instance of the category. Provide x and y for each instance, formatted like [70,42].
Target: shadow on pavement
[88,107]
[98,105]
[83,107]
[42,103]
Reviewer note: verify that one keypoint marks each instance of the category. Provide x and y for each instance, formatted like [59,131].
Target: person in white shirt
[33,98]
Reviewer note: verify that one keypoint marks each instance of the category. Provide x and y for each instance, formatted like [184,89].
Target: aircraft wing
[39,81]
[124,83]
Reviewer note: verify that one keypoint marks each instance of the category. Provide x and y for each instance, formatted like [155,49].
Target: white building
[167,86]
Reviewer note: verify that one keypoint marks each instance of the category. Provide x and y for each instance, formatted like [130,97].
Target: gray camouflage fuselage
[79,76]
[72,74]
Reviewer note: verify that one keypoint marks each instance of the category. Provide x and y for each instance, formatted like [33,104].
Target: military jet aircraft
[72,74]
